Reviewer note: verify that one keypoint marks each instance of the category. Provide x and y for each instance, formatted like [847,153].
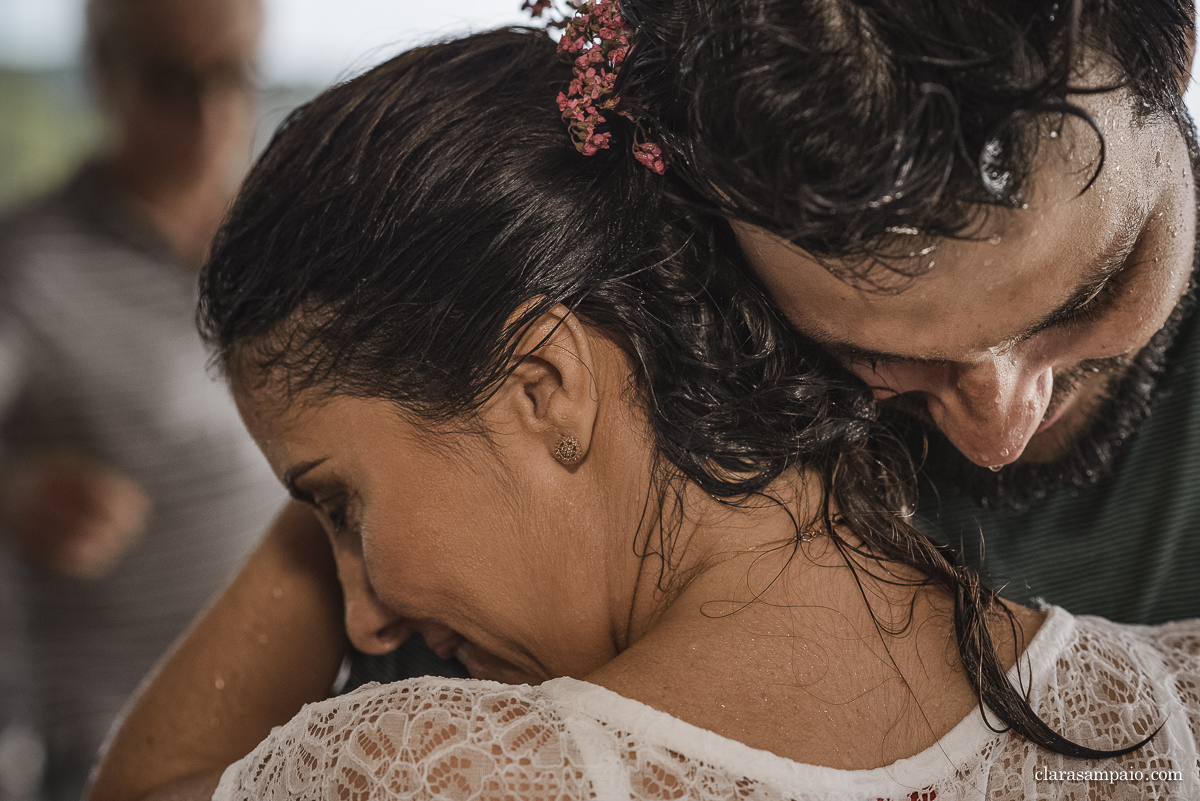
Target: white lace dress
[1101,684]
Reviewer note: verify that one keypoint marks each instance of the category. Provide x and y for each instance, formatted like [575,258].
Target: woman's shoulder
[426,737]
[1098,683]
[1108,686]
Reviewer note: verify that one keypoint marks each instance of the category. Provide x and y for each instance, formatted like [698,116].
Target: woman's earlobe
[568,451]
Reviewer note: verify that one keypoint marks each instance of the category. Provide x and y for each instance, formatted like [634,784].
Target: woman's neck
[765,634]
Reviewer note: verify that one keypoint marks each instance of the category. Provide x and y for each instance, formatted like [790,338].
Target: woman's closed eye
[335,510]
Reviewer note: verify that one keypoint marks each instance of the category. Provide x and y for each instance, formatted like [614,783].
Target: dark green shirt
[1127,547]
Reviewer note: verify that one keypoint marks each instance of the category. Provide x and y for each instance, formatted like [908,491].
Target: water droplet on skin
[219,683]
[262,639]
[994,240]
[277,592]
[1053,134]
[995,468]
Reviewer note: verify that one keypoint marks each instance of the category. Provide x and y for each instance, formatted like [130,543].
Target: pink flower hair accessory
[596,38]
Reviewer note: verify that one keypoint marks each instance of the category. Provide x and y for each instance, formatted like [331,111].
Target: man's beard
[1123,405]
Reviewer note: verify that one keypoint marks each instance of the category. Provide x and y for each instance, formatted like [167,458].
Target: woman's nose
[370,625]
[989,409]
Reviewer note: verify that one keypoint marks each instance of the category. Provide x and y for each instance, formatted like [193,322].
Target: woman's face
[489,547]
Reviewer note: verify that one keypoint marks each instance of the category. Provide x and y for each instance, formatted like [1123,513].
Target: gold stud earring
[568,451]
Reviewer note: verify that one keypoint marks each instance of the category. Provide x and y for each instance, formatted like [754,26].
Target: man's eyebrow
[292,474]
[847,351]
[1104,269]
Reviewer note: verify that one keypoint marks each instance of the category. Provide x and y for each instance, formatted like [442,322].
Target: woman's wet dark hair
[393,226]
[833,123]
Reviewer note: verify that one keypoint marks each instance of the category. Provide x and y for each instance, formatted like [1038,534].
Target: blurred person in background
[129,491]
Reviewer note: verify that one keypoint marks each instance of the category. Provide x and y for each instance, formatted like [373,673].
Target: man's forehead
[1022,298]
[220,26]
[1015,269]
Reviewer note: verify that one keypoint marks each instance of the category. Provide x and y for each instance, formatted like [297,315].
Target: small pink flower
[651,156]
[598,39]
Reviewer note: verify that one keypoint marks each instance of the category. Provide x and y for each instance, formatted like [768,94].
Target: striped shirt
[99,356]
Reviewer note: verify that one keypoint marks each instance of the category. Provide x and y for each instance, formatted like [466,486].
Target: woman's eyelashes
[335,510]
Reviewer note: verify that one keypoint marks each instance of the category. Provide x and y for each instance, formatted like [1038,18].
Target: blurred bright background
[48,124]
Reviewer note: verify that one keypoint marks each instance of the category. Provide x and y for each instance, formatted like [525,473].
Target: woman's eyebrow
[292,474]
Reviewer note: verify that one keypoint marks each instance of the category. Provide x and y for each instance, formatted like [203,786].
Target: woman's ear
[552,392]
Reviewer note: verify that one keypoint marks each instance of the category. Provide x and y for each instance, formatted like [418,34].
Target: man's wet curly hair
[832,123]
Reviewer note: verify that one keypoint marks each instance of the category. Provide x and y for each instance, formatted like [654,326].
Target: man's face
[1012,340]
[178,78]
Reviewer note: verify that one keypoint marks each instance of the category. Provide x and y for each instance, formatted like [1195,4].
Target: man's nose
[370,625]
[989,408]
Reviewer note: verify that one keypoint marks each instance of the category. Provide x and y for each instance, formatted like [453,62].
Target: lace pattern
[1098,683]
